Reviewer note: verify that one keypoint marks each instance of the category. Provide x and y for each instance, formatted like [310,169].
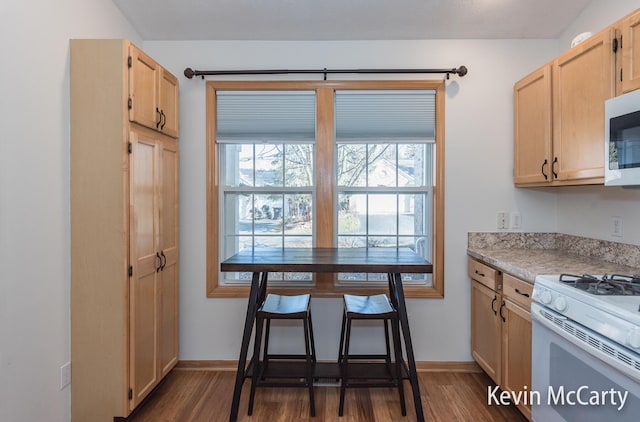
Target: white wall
[597,204]
[34,197]
[478,177]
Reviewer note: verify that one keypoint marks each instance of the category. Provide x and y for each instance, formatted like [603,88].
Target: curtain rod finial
[461,71]
[189,73]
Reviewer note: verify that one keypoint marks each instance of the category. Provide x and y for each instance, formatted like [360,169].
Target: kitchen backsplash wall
[589,211]
[619,253]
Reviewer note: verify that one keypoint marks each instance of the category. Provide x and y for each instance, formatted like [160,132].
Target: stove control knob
[560,304]
[633,338]
[545,297]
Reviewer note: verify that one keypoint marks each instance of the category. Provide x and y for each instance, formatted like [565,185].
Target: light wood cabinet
[558,116]
[486,328]
[153,288]
[515,312]
[501,329]
[532,126]
[124,240]
[582,81]
[153,93]
[628,71]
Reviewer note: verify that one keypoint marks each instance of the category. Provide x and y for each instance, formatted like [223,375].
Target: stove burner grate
[606,285]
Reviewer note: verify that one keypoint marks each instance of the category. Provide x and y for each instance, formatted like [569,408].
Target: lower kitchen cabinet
[485,322]
[515,313]
[501,328]
[485,329]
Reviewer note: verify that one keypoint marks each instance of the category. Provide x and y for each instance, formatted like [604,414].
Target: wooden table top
[330,260]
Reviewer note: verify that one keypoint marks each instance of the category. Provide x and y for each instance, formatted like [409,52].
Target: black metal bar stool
[371,372]
[286,366]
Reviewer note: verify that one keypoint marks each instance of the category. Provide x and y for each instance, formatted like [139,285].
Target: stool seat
[278,306]
[377,306]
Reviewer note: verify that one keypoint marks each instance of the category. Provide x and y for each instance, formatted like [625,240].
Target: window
[266,142]
[327,164]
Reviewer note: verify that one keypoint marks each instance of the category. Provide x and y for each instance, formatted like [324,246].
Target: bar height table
[328,260]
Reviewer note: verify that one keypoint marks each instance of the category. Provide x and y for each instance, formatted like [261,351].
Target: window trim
[325,183]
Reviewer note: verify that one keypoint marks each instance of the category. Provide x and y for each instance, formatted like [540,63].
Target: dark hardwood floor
[195,395]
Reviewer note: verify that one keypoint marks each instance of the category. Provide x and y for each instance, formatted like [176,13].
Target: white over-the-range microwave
[622,140]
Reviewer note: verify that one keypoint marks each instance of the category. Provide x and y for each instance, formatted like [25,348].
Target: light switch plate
[516,222]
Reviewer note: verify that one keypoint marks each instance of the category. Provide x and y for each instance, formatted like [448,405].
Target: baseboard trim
[421,366]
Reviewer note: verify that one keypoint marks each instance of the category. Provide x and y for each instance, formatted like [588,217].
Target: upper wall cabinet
[532,125]
[628,72]
[153,94]
[558,116]
[582,81]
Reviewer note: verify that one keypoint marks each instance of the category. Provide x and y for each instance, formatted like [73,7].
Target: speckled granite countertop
[526,255]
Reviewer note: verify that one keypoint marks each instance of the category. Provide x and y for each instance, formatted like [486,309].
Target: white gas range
[586,348]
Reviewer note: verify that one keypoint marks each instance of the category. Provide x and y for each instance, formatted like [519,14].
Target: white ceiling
[349,19]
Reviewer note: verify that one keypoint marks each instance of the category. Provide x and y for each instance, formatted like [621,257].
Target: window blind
[392,116]
[265,116]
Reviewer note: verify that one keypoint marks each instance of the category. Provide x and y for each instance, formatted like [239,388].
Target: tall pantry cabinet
[124,227]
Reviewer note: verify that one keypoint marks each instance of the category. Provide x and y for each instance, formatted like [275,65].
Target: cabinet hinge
[614,45]
[130,103]
[620,74]
[130,148]
[130,394]
[130,271]
[129,62]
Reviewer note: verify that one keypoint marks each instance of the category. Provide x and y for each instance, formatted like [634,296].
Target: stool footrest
[287,357]
[374,371]
[369,357]
[281,370]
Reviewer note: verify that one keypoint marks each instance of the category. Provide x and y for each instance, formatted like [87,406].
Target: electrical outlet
[616,226]
[516,223]
[503,220]
[65,375]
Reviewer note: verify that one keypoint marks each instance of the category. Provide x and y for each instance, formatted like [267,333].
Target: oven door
[578,375]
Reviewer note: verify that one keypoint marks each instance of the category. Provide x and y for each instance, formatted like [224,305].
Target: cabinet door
[532,127]
[630,71]
[168,103]
[143,287]
[143,89]
[168,247]
[486,329]
[516,353]
[582,81]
